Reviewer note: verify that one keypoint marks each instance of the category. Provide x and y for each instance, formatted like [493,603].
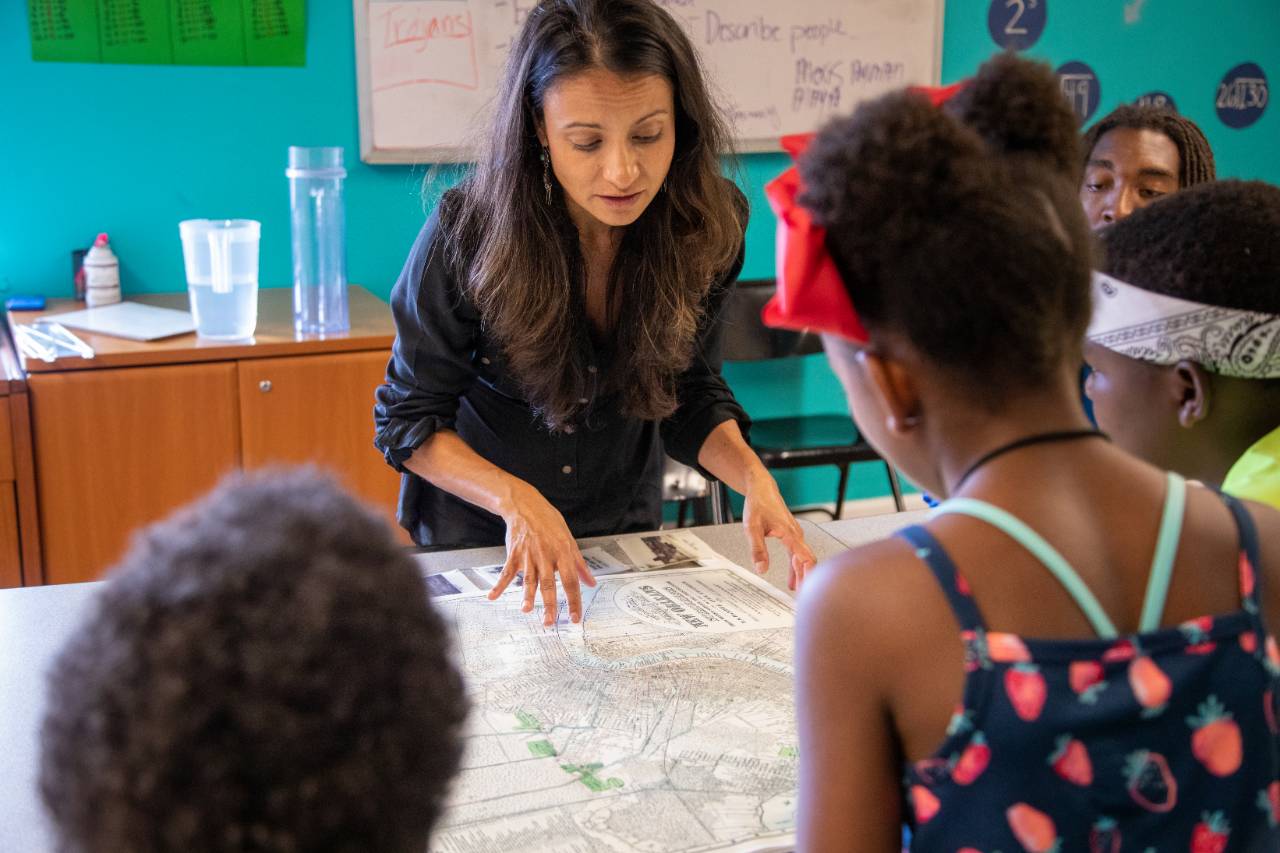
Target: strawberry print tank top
[1160,741]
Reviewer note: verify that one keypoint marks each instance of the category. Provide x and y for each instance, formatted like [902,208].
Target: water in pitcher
[225,316]
[221,258]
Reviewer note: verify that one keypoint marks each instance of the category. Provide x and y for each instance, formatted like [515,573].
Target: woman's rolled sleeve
[431,362]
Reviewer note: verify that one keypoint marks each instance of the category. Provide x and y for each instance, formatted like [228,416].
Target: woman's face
[611,141]
[1128,169]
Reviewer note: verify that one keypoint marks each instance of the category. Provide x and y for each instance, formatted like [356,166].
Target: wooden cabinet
[126,438]
[19,535]
[10,543]
[118,449]
[317,409]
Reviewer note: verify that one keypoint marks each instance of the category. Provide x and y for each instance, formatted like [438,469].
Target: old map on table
[663,722]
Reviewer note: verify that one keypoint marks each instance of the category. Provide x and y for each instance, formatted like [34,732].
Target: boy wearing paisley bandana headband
[1185,340]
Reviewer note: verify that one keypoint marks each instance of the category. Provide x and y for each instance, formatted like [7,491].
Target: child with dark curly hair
[1185,343]
[1061,657]
[264,672]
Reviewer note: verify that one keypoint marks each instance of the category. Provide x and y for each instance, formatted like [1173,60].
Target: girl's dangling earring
[546,172]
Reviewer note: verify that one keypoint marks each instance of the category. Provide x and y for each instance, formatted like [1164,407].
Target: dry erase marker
[25,303]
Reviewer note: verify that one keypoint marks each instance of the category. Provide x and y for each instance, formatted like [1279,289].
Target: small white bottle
[101,274]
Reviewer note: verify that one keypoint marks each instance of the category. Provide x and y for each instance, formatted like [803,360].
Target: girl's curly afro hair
[959,228]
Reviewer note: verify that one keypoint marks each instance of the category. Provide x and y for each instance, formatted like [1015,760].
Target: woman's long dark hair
[520,256]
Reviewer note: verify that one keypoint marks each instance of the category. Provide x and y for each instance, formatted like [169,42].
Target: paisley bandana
[1164,330]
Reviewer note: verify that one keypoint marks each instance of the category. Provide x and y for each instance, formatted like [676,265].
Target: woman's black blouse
[604,476]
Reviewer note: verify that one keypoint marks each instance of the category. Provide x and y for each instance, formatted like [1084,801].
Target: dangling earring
[546,172]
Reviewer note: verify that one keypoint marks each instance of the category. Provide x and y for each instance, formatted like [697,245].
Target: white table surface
[35,623]
[859,531]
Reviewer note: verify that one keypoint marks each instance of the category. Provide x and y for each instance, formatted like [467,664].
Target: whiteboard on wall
[427,70]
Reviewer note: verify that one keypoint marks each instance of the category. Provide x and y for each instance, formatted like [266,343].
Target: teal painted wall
[1183,47]
[132,150]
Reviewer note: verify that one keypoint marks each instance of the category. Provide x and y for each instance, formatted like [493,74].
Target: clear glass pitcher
[319,231]
[221,259]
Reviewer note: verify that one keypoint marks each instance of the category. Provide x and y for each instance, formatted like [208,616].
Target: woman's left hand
[765,514]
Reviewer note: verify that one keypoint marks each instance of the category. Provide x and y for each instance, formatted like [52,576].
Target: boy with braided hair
[1137,154]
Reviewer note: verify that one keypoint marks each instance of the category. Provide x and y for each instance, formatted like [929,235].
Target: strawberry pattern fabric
[1162,741]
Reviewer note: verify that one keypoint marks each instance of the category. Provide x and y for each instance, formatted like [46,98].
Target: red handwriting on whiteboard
[422,44]
[421,30]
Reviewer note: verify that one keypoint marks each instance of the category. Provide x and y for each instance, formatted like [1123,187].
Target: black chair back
[747,338]
[803,440]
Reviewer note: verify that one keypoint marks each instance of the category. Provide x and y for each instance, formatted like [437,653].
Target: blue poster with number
[1017,24]
[1080,87]
[1163,100]
[1242,95]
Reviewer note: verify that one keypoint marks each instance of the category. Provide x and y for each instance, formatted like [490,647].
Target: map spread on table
[663,722]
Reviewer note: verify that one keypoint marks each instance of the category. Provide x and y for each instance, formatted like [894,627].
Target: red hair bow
[810,294]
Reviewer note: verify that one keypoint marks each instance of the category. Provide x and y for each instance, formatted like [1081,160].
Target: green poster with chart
[207,33]
[169,32]
[135,31]
[64,30]
[273,32]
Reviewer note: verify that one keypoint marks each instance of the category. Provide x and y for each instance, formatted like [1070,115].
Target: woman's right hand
[540,546]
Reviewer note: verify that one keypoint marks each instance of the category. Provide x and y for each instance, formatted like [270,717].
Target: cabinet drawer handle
[264,386]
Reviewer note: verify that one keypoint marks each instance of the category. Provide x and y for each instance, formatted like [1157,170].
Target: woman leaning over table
[558,318]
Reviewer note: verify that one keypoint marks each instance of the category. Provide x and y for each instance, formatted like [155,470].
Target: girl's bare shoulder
[869,593]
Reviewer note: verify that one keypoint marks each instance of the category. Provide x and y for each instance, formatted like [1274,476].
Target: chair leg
[844,482]
[721,513]
[895,486]
[702,510]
